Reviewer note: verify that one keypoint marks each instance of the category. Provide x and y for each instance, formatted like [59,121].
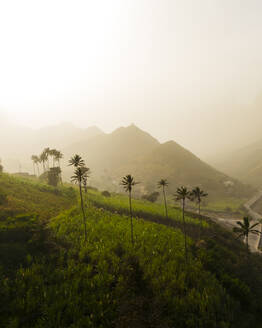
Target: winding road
[254,240]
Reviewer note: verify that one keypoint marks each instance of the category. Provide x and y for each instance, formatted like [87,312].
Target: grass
[141,208]
[106,282]
[20,196]
[228,205]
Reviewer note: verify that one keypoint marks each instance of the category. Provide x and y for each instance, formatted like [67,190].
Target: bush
[151,197]
[106,193]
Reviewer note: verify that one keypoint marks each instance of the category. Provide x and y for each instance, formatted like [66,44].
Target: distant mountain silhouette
[245,164]
[17,144]
[131,150]
[110,151]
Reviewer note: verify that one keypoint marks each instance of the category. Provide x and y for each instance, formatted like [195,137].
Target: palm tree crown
[128,182]
[76,161]
[162,183]
[80,174]
[182,193]
[245,229]
[197,194]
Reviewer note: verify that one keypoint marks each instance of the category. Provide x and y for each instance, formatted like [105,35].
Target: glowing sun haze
[177,68]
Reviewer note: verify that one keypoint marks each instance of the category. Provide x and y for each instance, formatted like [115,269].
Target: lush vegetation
[105,282]
[54,275]
[19,196]
[141,208]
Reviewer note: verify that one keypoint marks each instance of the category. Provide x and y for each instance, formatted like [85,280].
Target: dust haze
[181,70]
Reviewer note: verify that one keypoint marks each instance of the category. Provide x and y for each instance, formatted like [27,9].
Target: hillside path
[254,240]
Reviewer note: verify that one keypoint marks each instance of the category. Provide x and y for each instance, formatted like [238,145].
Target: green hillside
[23,196]
[25,207]
[51,277]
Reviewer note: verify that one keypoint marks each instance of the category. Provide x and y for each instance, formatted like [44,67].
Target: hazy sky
[181,69]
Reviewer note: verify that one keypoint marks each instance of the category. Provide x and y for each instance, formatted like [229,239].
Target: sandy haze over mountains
[188,71]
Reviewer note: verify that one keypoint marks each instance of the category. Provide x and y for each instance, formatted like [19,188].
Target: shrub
[106,193]
[151,197]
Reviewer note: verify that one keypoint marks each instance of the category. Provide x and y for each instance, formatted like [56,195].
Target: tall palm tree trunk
[201,220]
[38,170]
[247,242]
[184,224]
[131,217]
[34,167]
[59,165]
[164,193]
[82,206]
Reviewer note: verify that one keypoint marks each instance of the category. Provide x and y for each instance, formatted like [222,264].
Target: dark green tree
[197,196]
[128,183]
[244,229]
[76,161]
[58,157]
[36,161]
[47,153]
[52,153]
[163,184]
[182,194]
[53,176]
[43,160]
[80,175]
[151,197]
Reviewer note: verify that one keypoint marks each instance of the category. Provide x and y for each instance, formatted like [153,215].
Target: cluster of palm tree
[182,194]
[44,159]
[80,176]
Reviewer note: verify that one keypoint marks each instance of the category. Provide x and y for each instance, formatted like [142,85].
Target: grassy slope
[25,196]
[141,208]
[105,282]
[146,209]
[25,205]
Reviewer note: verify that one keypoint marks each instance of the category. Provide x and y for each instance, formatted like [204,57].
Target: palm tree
[43,159]
[76,161]
[58,157]
[197,195]
[245,229]
[52,153]
[37,164]
[47,152]
[80,175]
[34,159]
[128,183]
[182,194]
[163,184]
